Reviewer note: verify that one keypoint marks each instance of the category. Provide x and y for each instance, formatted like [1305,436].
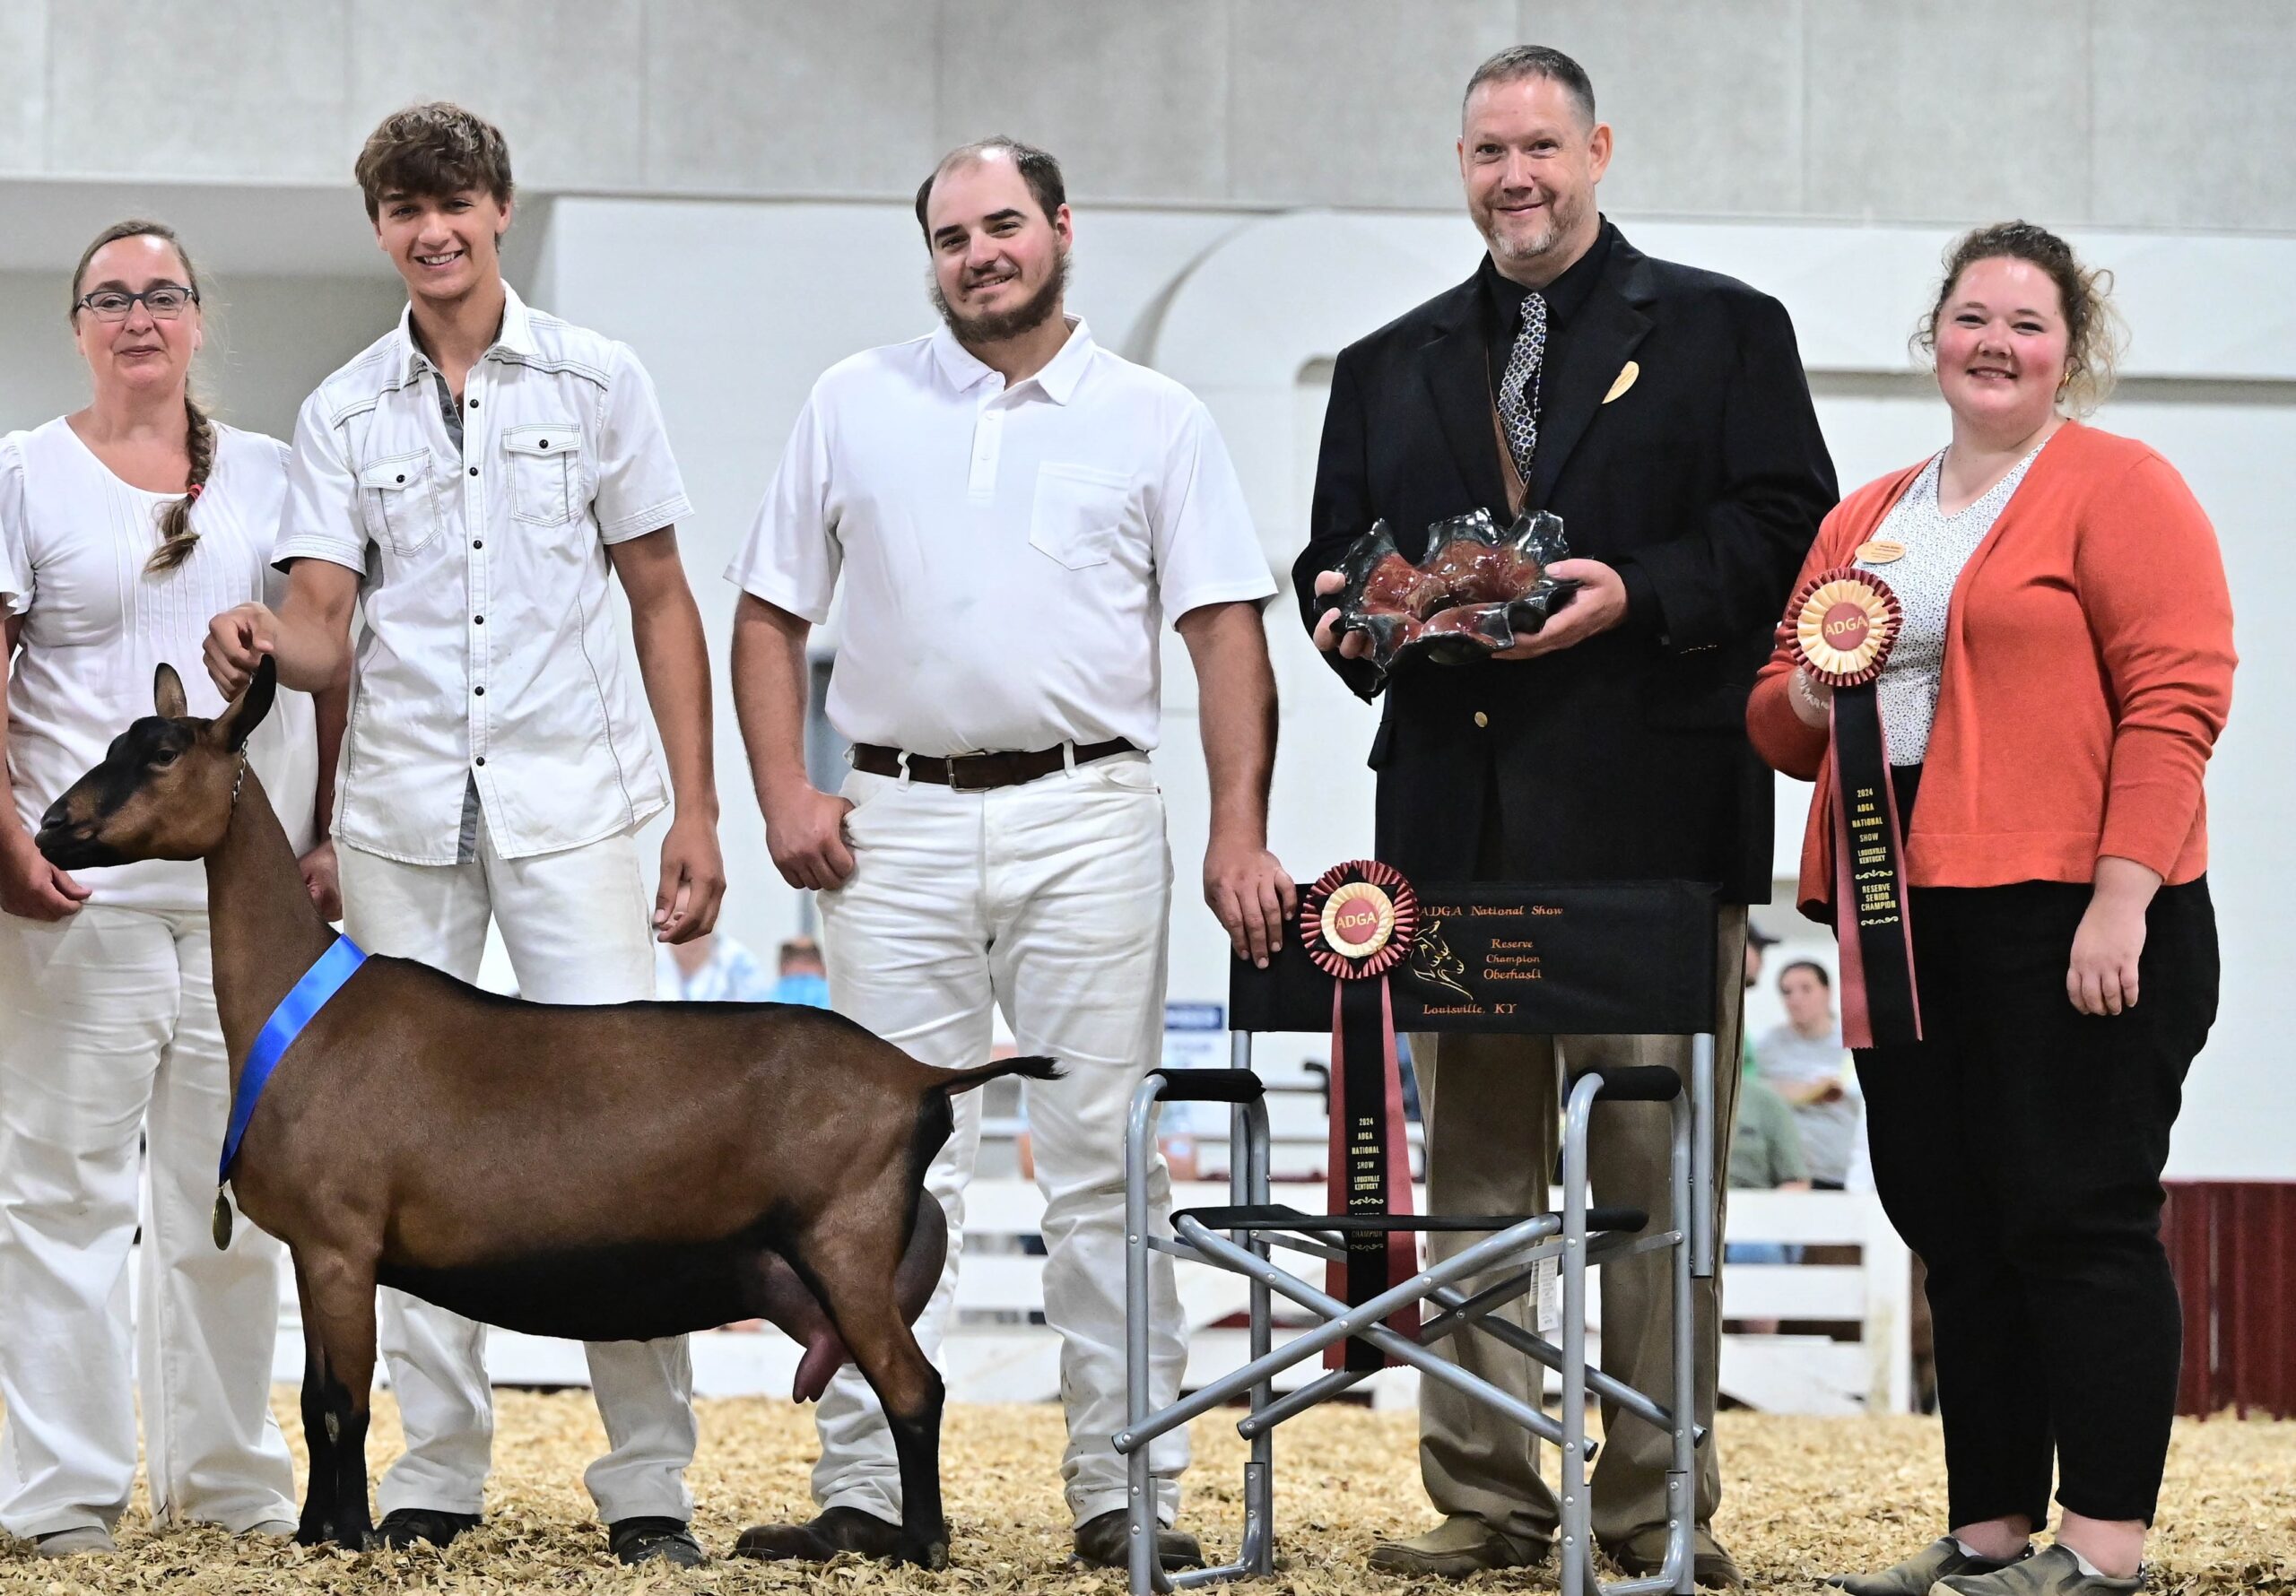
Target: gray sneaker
[2055,1572]
[1917,1573]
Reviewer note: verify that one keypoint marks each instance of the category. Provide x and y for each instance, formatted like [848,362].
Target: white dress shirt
[490,656]
[1010,555]
[73,538]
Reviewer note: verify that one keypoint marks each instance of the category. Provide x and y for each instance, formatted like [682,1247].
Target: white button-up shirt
[1010,554]
[490,656]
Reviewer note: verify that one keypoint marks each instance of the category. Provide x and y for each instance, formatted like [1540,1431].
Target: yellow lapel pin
[1626,376]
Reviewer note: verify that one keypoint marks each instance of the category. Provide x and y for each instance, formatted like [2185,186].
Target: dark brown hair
[434,149]
[1038,169]
[2093,334]
[176,534]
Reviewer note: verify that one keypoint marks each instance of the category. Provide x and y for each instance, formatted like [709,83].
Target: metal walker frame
[1241,1239]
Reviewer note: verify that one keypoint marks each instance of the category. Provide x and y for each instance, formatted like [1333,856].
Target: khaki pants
[1489,1102]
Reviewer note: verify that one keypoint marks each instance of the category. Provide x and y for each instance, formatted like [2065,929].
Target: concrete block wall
[2099,113]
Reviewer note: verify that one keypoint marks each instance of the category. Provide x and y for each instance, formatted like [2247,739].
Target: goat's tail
[953,1082]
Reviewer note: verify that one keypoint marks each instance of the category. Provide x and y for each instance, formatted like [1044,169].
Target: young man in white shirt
[1016,510]
[470,478]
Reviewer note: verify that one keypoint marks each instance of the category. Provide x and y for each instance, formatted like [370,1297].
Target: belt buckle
[957,765]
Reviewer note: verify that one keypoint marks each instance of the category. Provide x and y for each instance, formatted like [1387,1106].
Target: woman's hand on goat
[31,887]
[804,831]
[694,881]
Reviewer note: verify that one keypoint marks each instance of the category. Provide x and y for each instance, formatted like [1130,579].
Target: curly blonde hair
[2094,334]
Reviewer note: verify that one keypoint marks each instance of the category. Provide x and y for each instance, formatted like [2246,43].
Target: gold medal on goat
[222,1220]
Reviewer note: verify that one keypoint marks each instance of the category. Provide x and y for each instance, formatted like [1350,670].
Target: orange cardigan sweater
[2088,671]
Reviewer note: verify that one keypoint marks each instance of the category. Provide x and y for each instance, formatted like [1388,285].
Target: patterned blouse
[1936,547]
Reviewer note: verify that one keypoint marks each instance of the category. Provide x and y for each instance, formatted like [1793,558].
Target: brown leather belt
[978,773]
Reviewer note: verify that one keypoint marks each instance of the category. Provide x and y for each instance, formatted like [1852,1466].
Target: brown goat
[613,1173]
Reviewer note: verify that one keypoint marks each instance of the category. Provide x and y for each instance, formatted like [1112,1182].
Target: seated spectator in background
[714,968]
[1805,1063]
[1765,1154]
[805,978]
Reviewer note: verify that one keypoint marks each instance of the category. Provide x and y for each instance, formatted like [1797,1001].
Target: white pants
[577,927]
[108,1029]
[1050,899]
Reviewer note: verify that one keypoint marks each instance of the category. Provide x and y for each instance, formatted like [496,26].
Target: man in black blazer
[1662,413]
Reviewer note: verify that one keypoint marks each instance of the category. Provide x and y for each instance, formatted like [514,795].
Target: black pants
[2018,1150]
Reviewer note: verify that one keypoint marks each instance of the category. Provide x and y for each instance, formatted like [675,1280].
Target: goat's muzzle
[69,844]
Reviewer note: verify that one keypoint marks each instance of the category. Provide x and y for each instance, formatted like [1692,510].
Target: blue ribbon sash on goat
[321,982]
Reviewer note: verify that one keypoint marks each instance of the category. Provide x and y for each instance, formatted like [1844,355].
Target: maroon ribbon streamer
[1370,1162]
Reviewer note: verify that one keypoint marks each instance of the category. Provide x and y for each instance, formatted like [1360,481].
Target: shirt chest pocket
[400,501]
[1079,511]
[546,472]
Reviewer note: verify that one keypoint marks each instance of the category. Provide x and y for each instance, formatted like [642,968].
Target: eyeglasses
[166,301]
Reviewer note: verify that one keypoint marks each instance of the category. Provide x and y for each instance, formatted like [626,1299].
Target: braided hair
[178,535]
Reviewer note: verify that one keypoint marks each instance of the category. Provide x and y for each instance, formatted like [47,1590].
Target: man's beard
[1559,227]
[996,326]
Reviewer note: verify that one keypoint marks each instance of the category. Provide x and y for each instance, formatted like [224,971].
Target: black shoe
[839,1530]
[404,1527]
[1105,1542]
[645,1539]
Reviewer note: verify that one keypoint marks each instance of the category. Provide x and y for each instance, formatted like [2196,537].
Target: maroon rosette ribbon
[1359,919]
[1843,623]
[1357,924]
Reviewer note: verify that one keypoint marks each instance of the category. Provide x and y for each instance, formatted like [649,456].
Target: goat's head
[166,786]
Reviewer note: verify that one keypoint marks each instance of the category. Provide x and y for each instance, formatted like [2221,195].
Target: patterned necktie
[1519,387]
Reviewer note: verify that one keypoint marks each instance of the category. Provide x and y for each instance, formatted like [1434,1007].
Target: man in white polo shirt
[473,478]
[1016,510]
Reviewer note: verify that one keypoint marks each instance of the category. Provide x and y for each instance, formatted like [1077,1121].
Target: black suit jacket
[1625,757]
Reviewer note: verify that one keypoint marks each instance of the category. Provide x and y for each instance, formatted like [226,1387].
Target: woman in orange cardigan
[2063,669]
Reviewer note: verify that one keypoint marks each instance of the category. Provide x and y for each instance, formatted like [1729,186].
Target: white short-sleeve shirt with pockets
[490,658]
[1010,556]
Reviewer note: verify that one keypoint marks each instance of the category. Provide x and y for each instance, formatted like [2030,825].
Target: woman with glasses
[123,527]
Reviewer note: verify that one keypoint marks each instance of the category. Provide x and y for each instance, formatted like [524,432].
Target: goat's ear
[237,724]
[167,693]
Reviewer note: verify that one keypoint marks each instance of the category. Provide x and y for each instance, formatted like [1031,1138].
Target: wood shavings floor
[1805,1497]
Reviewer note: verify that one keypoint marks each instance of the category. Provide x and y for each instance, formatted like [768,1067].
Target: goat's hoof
[936,1556]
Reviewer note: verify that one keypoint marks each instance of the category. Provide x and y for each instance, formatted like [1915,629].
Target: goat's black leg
[339,1312]
[917,1444]
[320,1487]
[853,1275]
